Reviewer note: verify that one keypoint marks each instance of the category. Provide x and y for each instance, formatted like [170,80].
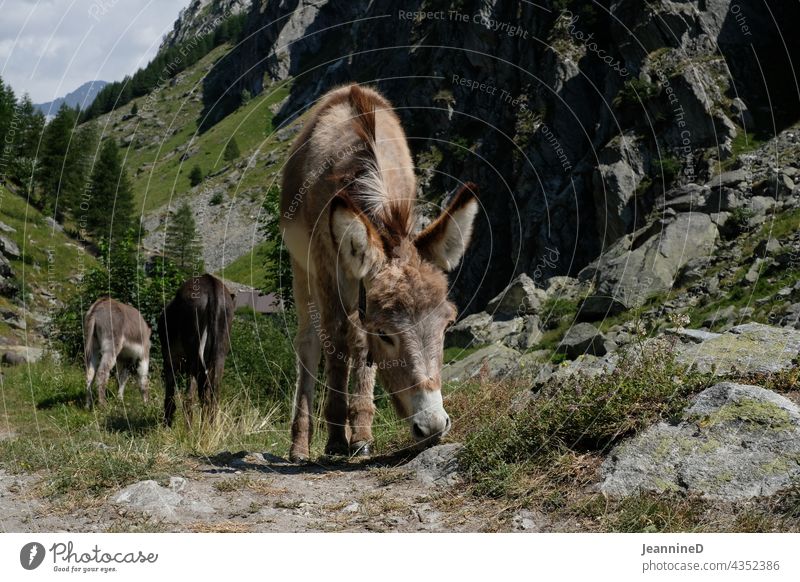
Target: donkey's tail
[88,337]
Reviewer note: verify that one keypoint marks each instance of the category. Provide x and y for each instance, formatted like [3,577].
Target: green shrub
[581,413]
[636,92]
[261,364]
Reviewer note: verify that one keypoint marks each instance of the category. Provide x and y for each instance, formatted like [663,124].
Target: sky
[51,47]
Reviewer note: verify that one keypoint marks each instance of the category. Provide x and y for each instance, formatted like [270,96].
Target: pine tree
[195,176]
[54,173]
[231,150]
[277,266]
[110,206]
[30,125]
[182,245]
[7,129]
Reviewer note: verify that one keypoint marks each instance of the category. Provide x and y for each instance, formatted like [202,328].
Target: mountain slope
[81,97]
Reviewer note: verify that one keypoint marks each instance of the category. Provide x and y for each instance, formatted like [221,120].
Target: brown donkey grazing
[114,334]
[194,330]
[370,292]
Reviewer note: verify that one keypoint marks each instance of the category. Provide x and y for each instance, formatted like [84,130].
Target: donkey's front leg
[362,408]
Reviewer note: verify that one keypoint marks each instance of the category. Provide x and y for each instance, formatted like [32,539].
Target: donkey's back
[329,156]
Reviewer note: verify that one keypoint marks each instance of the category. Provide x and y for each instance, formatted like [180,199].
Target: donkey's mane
[368,188]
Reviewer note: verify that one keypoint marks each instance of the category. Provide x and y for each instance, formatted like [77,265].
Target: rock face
[647,262]
[735,442]
[557,202]
[752,348]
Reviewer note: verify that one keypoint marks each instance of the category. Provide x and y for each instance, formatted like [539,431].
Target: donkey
[194,330]
[370,291]
[115,334]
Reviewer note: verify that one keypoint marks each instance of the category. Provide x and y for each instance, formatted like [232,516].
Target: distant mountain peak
[82,97]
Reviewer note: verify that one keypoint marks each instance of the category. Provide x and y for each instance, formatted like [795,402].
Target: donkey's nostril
[447,424]
[419,433]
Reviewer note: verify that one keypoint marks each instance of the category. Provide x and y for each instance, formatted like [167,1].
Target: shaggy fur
[114,334]
[347,218]
[194,330]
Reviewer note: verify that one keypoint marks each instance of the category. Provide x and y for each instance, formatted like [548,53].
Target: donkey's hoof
[337,449]
[298,457]
[361,449]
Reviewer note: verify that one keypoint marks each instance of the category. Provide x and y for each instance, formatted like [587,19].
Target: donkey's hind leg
[123,373]
[91,369]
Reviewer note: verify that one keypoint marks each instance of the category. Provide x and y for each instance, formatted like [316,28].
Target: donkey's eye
[385,337]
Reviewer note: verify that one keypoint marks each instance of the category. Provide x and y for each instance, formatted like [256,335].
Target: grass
[579,415]
[249,268]
[167,127]
[50,259]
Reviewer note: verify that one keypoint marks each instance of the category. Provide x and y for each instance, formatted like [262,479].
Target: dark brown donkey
[194,330]
[370,290]
[114,334]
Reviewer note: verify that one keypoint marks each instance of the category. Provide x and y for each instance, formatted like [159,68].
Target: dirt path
[261,493]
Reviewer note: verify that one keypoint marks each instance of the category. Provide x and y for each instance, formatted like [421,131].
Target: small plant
[739,220]
[245,97]
[636,92]
[134,109]
[670,169]
[231,151]
[195,176]
[216,199]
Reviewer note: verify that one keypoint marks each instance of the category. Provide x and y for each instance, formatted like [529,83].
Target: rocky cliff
[575,120]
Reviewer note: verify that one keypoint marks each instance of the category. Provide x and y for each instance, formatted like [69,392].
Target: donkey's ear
[357,241]
[444,241]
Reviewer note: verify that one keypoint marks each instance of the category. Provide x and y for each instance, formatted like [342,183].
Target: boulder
[646,262]
[580,339]
[749,348]
[9,248]
[494,361]
[480,328]
[437,465]
[521,297]
[734,442]
[170,503]
[564,287]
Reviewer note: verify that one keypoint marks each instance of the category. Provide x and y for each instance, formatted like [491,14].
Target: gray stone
[480,329]
[9,248]
[735,442]
[647,262]
[494,361]
[437,465]
[582,338]
[748,348]
[694,336]
[563,287]
[169,503]
[729,179]
[6,228]
[521,297]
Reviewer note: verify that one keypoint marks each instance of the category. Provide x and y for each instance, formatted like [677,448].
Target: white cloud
[50,47]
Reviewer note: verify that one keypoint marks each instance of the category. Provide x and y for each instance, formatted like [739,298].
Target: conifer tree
[182,245]
[110,205]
